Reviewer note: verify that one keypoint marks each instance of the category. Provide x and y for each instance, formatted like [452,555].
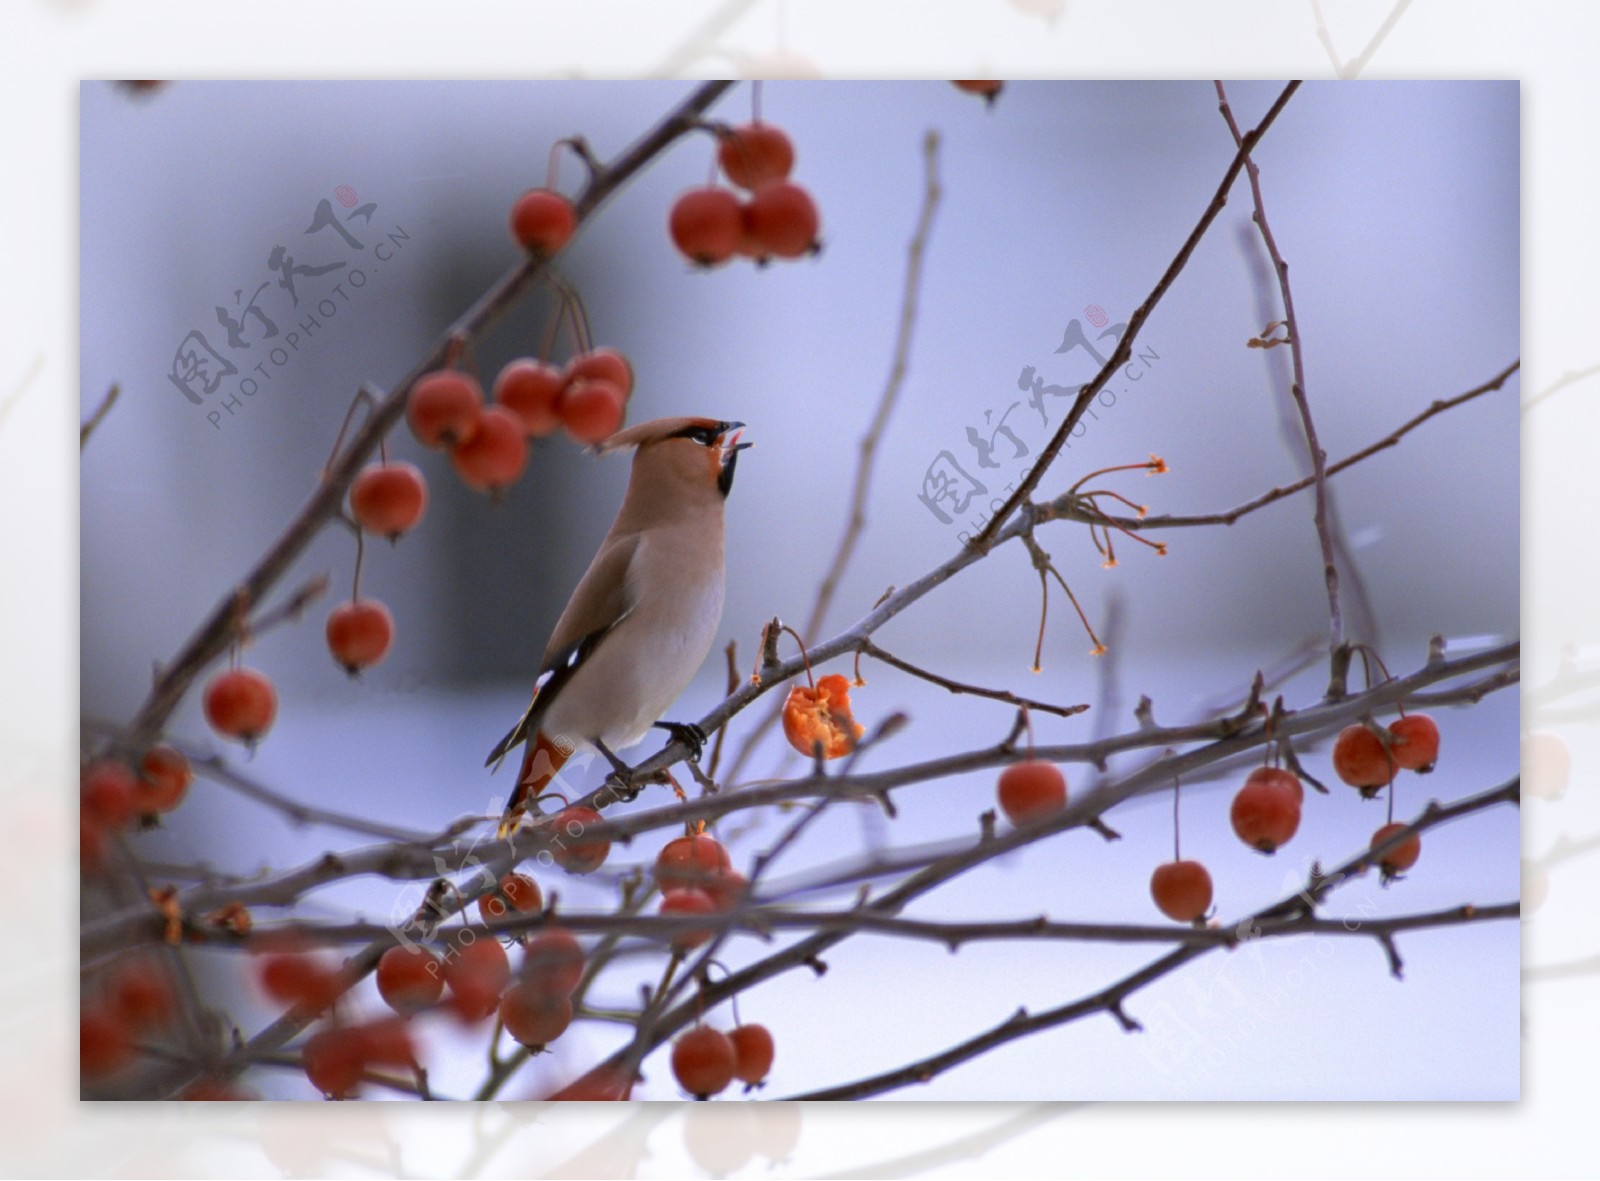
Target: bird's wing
[601,601]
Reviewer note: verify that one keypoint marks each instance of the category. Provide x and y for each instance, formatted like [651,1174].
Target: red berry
[703,1061]
[141,995]
[602,365]
[553,962]
[385,1041]
[334,1061]
[755,154]
[726,887]
[1403,856]
[1182,890]
[542,219]
[294,978]
[494,457]
[444,407]
[91,846]
[985,88]
[783,218]
[592,410]
[1031,791]
[570,852]
[705,225]
[1360,759]
[1265,815]
[477,974]
[515,891]
[104,1043]
[1280,777]
[166,776]
[533,1017]
[388,498]
[107,795]
[241,703]
[690,861]
[410,978]
[689,901]
[532,391]
[752,1053]
[1416,742]
[359,634]
[1546,765]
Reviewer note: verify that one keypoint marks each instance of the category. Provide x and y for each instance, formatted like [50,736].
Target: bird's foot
[687,733]
[622,778]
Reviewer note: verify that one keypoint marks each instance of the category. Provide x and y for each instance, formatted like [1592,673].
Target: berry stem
[363,397]
[1176,785]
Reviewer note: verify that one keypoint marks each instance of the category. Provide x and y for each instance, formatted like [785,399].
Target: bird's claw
[687,733]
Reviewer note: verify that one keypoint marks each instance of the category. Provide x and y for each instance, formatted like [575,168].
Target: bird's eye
[704,435]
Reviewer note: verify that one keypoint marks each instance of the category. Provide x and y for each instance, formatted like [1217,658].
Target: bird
[643,616]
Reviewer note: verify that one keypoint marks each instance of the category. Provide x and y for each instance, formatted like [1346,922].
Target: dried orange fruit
[821,713]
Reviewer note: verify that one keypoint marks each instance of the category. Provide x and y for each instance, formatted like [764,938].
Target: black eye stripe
[704,435]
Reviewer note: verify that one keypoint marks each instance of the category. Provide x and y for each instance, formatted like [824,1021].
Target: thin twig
[1119,356]
[868,648]
[104,408]
[899,366]
[1297,389]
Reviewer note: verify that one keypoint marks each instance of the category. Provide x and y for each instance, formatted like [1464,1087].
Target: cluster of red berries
[696,877]
[112,796]
[712,224]
[1366,760]
[706,1060]
[132,1000]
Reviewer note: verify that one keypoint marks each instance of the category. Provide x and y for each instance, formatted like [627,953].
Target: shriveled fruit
[494,456]
[388,498]
[1181,890]
[1031,790]
[241,703]
[1416,742]
[1400,858]
[1359,758]
[821,713]
[443,408]
[690,861]
[533,1017]
[755,154]
[783,218]
[543,219]
[753,1051]
[703,1061]
[410,978]
[704,224]
[688,901]
[359,634]
[1265,815]
[532,391]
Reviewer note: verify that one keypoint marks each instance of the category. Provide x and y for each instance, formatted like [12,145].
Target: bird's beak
[730,454]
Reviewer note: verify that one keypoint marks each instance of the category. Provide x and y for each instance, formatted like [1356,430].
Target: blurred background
[1397,206]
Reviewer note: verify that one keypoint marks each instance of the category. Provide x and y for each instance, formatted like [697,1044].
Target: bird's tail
[542,760]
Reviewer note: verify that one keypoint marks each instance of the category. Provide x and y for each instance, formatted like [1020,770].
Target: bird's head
[686,457]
